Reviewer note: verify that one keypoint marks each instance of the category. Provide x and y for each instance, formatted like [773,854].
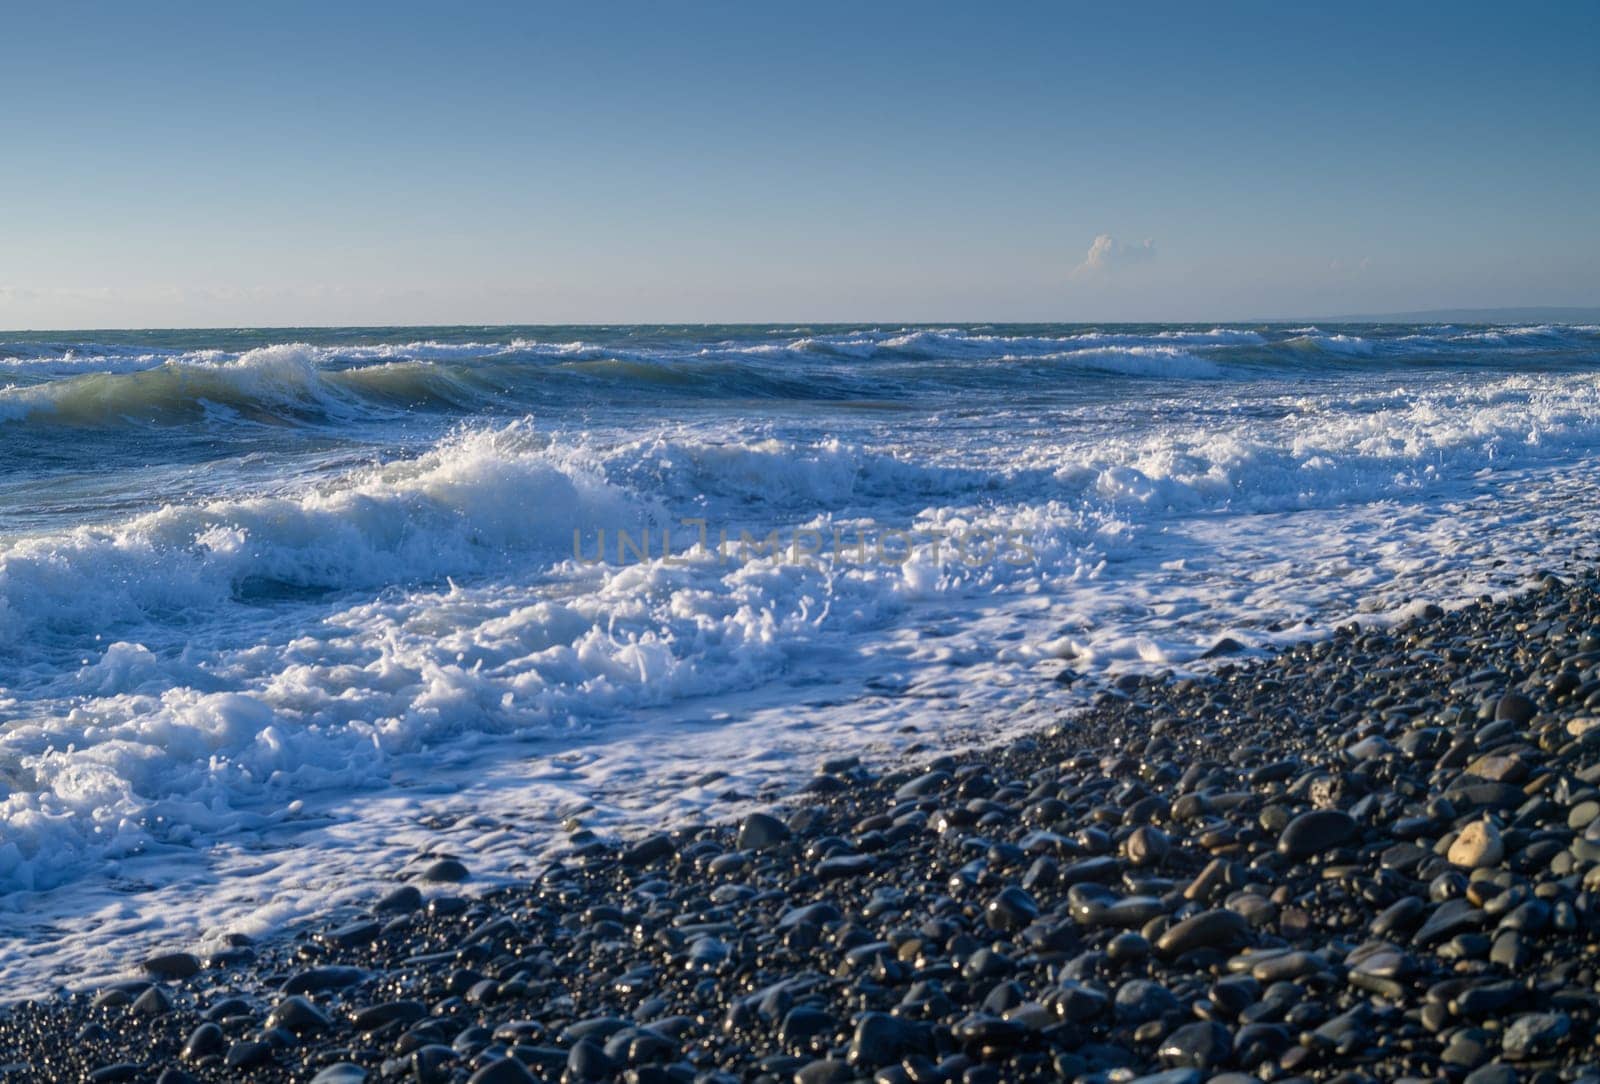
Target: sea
[286,614]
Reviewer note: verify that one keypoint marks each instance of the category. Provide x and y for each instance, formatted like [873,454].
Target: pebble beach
[749,544]
[1371,856]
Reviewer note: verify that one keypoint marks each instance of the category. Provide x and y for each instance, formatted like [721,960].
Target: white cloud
[1107,254]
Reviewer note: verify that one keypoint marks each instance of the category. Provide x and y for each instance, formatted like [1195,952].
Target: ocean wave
[93,384]
[1142,361]
[1529,334]
[297,383]
[1350,346]
[265,381]
[925,344]
[478,500]
[43,360]
[455,607]
[489,498]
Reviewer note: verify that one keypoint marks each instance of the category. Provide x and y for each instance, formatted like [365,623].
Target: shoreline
[1213,875]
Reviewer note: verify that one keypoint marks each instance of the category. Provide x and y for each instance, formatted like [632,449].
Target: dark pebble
[1143,1000]
[503,1071]
[761,831]
[173,965]
[1316,832]
[1209,929]
[649,850]
[445,870]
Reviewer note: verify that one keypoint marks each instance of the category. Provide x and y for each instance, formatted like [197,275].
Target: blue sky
[199,165]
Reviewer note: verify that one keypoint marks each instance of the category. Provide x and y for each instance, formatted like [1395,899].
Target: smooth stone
[317,979]
[599,1028]
[1487,1000]
[246,1053]
[1516,708]
[1369,749]
[1465,946]
[1132,911]
[504,1071]
[1257,1043]
[1201,1045]
[928,783]
[1348,1027]
[341,1073]
[153,1002]
[986,963]
[1382,959]
[112,999]
[1077,1003]
[1206,930]
[1285,966]
[880,1039]
[1147,846]
[1486,795]
[298,1015]
[844,865]
[587,1061]
[173,965]
[1402,916]
[203,1041]
[1467,1048]
[1170,1076]
[446,871]
[1534,1034]
[387,1012]
[984,1029]
[812,914]
[403,900]
[1531,916]
[824,1071]
[802,1025]
[761,831]
[1230,996]
[648,850]
[353,935]
[1012,909]
[1581,726]
[1477,846]
[1128,948]
[1500,767]
[1225,646]
[1143,1000]
[1316,832]
[232,1006]
[1448,919]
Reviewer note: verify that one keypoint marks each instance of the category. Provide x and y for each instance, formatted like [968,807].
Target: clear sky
[271,164]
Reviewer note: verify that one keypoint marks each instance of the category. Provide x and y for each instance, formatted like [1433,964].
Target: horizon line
[1501,313]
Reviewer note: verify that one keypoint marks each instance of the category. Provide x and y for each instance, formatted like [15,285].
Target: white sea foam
[264,695]
[478,500]
[959,343]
